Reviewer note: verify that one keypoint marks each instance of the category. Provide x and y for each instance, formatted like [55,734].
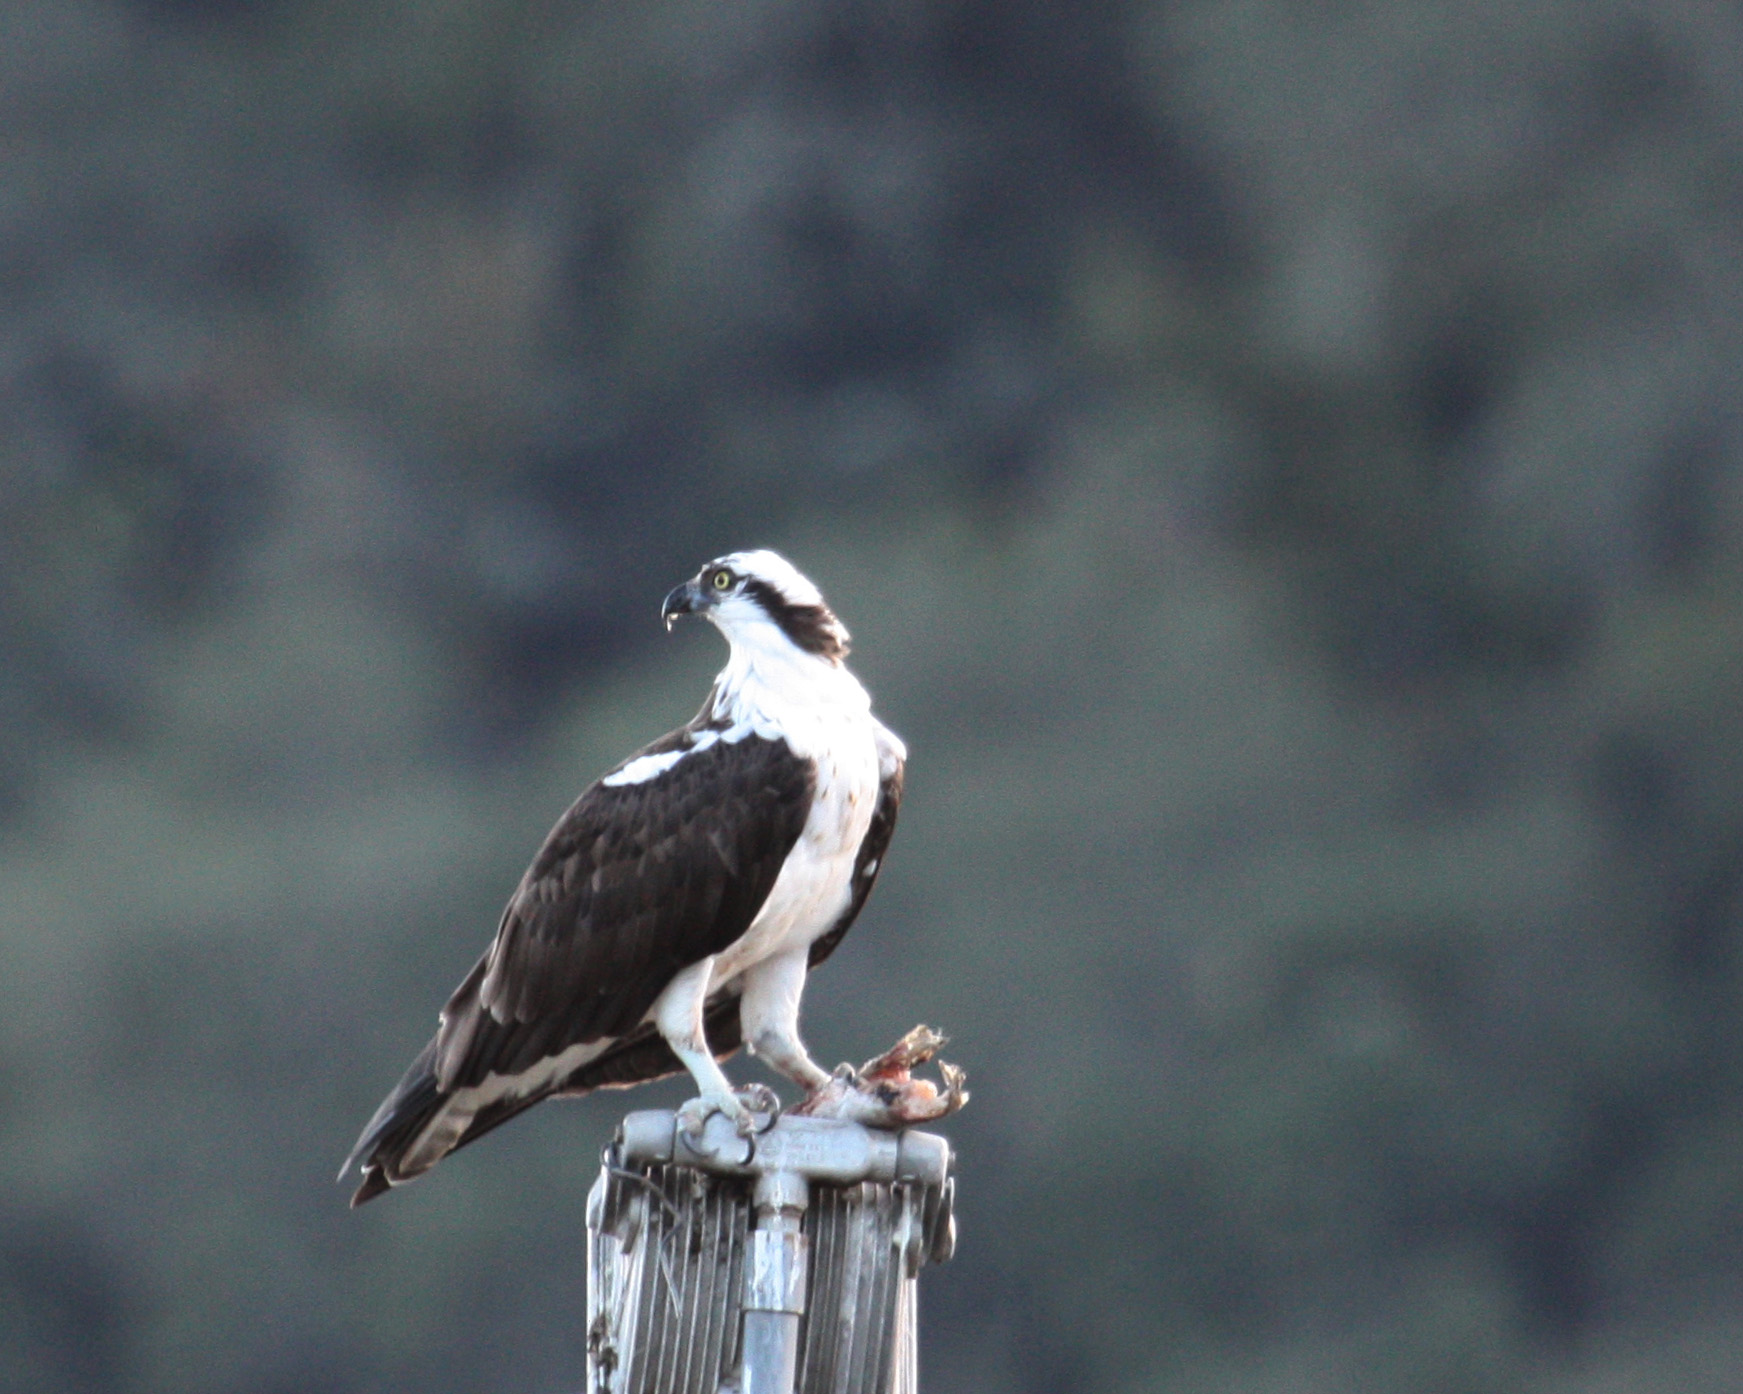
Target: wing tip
[374,1183]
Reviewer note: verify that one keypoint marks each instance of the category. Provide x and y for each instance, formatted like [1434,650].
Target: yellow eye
[722,579]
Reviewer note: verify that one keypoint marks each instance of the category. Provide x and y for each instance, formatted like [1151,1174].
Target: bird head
[759,599]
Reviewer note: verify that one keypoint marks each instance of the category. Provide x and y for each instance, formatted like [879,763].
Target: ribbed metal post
[774,1284]
[769,1265]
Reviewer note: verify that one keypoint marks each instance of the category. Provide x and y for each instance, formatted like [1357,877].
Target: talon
[759,1098]
[760,1102]
[847,1074]
[691,1120]
[693,1114]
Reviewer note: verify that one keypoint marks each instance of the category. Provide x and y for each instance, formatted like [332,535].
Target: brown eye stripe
[812,628]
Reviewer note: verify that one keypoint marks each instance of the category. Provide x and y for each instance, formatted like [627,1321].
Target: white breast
[832,726]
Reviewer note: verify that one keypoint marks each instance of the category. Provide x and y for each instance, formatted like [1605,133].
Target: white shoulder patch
[644,767]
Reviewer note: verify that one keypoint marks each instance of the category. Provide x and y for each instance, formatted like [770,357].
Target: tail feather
[398,1145]
[403,1114]
[643,1056]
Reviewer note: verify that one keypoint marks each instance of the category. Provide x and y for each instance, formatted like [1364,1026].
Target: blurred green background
[1281,463]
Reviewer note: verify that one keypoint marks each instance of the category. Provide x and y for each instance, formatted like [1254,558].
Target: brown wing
[643,1055]
[634,884]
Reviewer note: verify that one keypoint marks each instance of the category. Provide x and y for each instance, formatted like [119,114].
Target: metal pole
[699,1283]
[774,1285]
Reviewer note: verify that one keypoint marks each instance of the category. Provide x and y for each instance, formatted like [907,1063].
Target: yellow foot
[751,1110]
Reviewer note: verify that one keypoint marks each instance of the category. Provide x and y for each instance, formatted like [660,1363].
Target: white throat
[775,688]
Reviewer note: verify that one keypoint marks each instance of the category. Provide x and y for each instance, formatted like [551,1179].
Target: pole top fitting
[647,1137]
[777,1191]
[833,1152]
[923,1158]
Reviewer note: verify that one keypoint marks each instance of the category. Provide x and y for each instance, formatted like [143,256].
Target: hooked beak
[686,599]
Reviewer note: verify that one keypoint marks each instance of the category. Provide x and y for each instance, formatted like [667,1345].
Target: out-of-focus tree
[1279,461]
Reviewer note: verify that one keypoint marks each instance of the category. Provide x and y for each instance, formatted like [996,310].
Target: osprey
[673,912]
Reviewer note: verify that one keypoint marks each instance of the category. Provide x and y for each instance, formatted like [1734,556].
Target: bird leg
[678,1017]
[786,1054]
[768,1013]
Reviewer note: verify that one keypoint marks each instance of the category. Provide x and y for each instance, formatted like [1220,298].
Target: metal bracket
[783,1164]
